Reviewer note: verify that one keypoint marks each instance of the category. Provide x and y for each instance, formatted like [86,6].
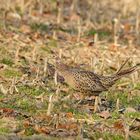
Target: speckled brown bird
[51,72]
[90,82]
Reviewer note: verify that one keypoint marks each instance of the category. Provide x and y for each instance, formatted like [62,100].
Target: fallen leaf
[43,129]
[127,27]
[68,126]
[113,48]
[105,114]
[26,123]
[6,111]
[69,115]
[118,125]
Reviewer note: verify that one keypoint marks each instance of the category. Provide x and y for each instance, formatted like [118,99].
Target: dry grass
[95,35]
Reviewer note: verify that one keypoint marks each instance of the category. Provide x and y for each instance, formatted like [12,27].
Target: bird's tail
[122,73]
[126,71]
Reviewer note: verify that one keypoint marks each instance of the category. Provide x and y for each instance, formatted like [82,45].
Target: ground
[32,103]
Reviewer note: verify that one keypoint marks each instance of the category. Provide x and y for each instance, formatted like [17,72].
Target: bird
[51,73]
[89,82]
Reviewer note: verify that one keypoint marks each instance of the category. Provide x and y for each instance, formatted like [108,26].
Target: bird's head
[59,65]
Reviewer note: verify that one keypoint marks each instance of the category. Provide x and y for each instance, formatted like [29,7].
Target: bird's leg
[96,106]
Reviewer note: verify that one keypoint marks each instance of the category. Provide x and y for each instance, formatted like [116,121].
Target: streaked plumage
[87,81]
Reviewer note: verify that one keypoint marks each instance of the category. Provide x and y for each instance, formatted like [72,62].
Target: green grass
[41,27]
[123,98]
[29,131]
[132,115]
[106,136]
[11,73]
[33,90]
[25,101]
[25,104]
[28,102]
[137,86]
[8,105]
[52,43]
[101,33]
[115,115]
[7,61]
[135,101]
[4,130]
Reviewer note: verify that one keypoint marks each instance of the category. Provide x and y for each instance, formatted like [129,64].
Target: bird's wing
[89,81]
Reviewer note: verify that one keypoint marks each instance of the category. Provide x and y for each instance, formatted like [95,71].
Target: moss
[10,73]
[137,86]
[28,103]
[29,131]
[24,104]
[2,25]
[52,43]
[19,10]
[102,33]
[41,27]
[1,95]
[46,48]
[91,32]
[7,61]
[135,101]
[106,136]
[132,115]
[4,53]
[123,98]
[4,130]
[12,106]
[115,115]
[134,138]
[33,91]
[95,116]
